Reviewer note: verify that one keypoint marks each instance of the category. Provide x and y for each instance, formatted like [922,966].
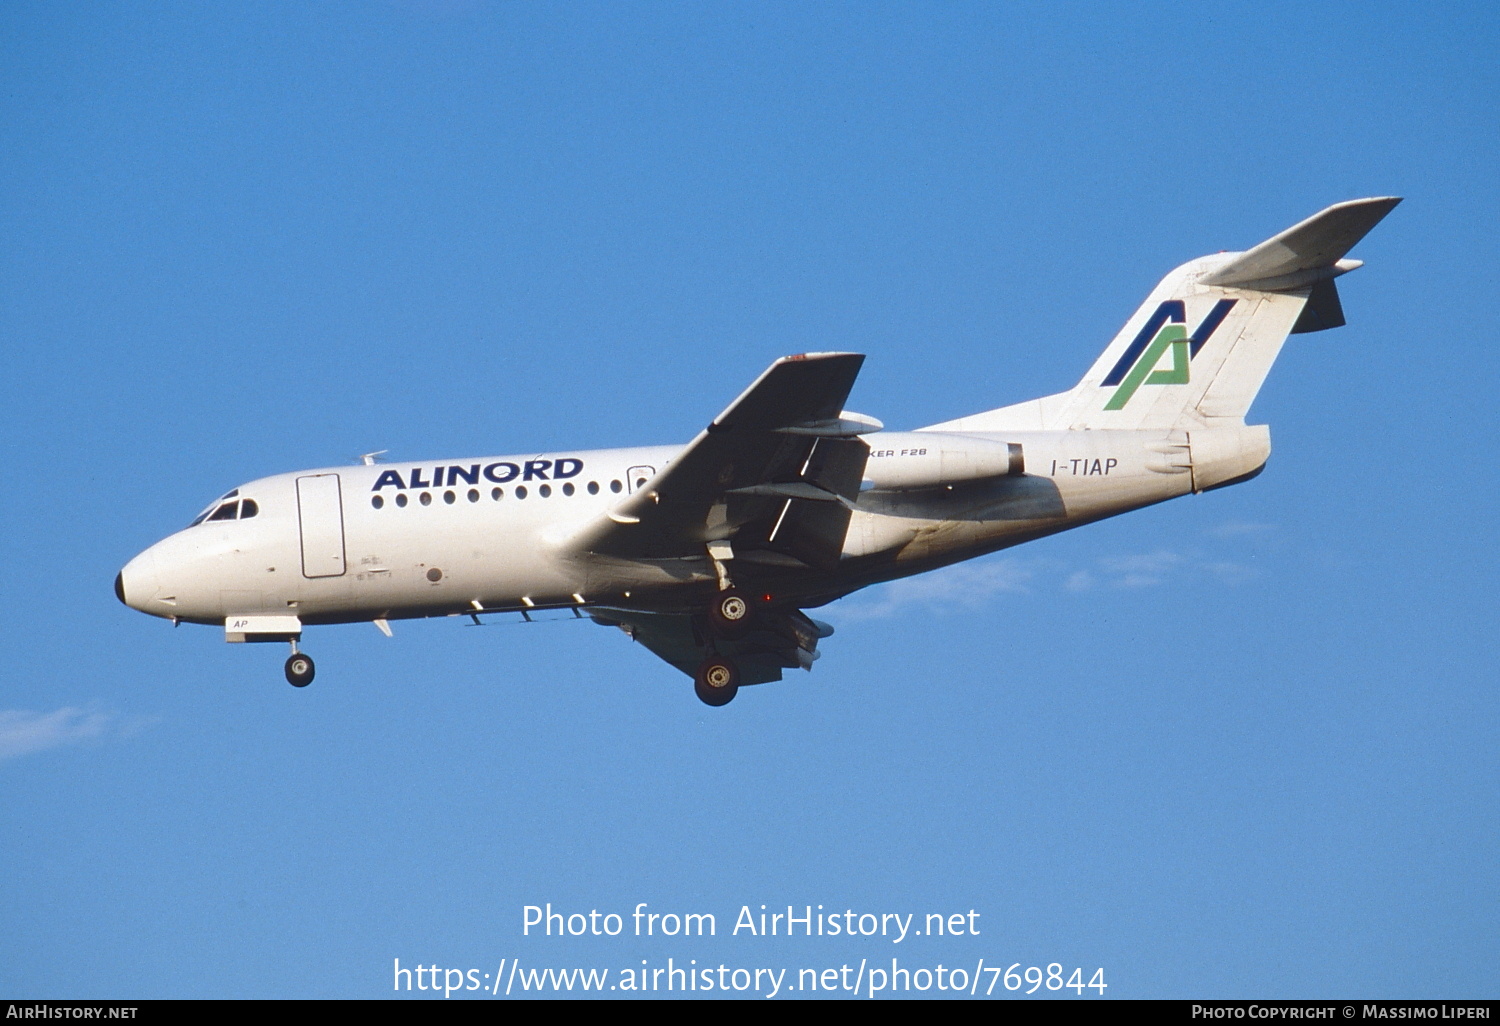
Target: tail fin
[1197,351]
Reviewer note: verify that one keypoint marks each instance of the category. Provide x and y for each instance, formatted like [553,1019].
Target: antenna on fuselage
[369,459]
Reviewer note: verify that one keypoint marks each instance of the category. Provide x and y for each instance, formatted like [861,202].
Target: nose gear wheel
[299,670]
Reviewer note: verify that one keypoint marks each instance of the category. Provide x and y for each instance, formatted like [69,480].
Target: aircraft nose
[136,584]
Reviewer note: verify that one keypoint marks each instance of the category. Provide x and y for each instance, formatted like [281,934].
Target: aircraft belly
[315,596]
[611,578]
[398,573]
[1091,500]
[1079,483]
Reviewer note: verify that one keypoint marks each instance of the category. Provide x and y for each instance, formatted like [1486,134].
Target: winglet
[1305,253]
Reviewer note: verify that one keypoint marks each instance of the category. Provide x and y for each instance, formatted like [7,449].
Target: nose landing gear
[299,668]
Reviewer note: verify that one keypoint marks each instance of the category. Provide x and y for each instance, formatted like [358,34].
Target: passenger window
[248,509]
[226,511]
[497,493]
[425,498]
[377,502]
[473,494]
[520,491]
[401,499]
[593,487]
[448,497]
[615,486]
[546,491]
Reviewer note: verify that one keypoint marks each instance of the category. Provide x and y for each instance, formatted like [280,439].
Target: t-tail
[1193,357]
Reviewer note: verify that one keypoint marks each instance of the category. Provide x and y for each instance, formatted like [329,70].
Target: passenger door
[320,518]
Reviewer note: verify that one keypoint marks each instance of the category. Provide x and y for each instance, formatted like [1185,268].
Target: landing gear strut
[716,681]
[299,668]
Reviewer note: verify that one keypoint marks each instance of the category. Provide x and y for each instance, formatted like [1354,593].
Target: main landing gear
[731,612]
[717,681]
[299,668]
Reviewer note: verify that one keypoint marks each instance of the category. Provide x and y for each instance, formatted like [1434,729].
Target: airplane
[709,553]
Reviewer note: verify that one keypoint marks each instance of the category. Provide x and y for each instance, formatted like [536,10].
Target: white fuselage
[446,537]
[708,554]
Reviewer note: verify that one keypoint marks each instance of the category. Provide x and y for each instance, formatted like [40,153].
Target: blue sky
[1241,744]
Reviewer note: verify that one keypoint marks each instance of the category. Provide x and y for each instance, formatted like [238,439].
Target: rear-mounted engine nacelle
[917,460]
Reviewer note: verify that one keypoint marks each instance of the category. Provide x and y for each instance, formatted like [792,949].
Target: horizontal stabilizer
[1307,252]
[1197,350]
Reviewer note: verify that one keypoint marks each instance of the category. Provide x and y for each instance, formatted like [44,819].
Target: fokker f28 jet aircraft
[707,554]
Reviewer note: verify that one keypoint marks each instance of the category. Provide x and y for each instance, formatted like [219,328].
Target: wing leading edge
[775,473]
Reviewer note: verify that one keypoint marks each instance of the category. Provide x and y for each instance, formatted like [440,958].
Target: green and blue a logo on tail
[1166,331]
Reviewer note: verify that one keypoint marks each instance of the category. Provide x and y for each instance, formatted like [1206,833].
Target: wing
[772,478]
[781,641]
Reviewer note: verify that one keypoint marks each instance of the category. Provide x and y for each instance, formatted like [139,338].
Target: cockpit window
[216,509]
[226,507]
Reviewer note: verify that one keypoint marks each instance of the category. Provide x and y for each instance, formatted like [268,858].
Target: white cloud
[1140,571]
[1239,529]
[1232,573]
[970,584]
[23,732]
[1152,563]
[1080,580]
[964,585]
